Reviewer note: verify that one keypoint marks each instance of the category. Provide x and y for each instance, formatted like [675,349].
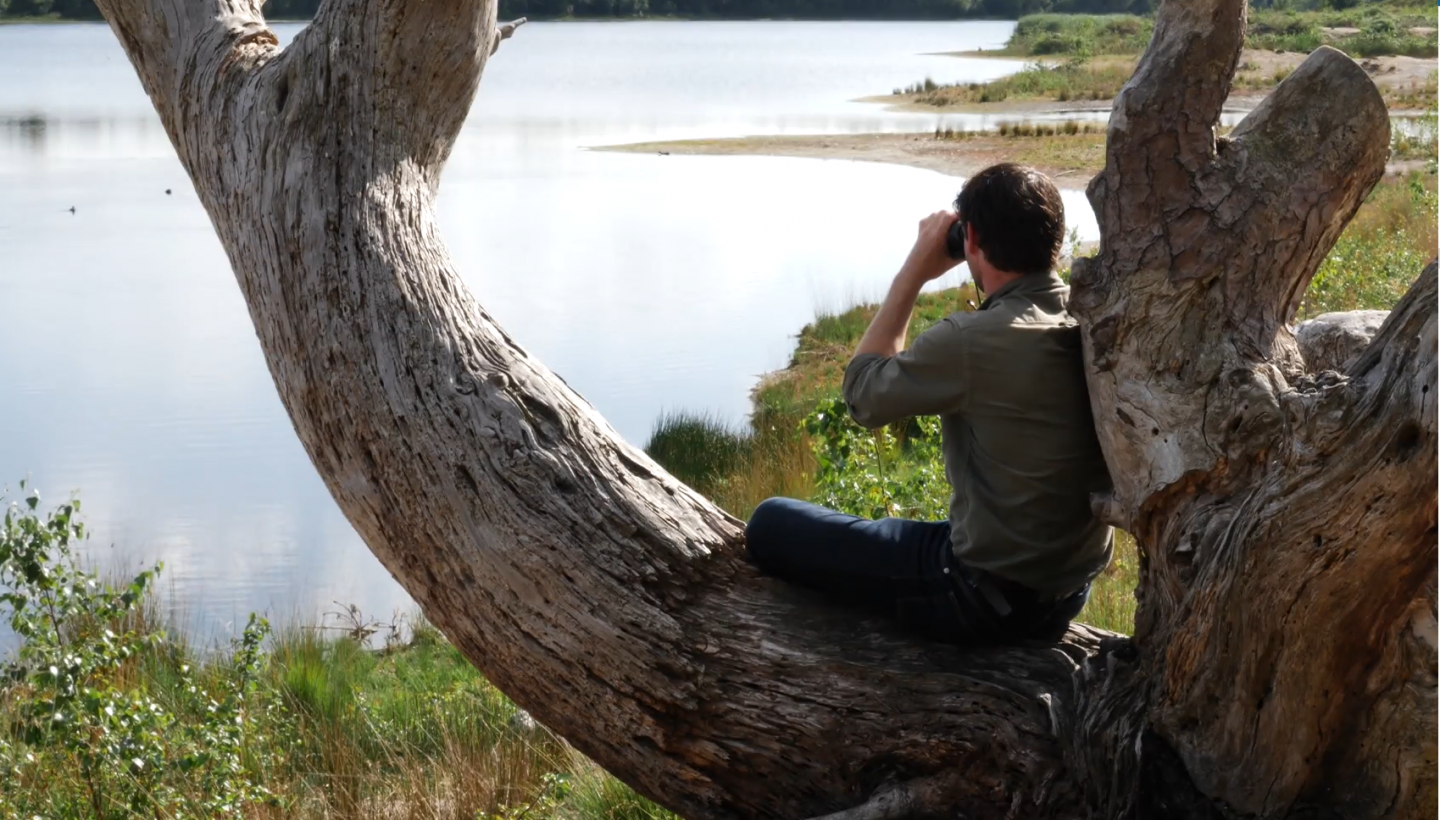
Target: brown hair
[1018,217]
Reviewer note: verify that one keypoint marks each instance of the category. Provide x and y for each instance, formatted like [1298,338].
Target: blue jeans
[903,569]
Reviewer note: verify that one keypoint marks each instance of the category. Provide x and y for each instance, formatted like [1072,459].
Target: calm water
[131,373]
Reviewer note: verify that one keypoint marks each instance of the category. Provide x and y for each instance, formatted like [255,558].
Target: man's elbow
[864,413]
[859,393]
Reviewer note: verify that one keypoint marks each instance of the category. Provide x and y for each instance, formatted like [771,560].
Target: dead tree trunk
[1284,660]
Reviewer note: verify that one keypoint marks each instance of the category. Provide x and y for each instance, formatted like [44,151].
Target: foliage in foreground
[103,716]
[118,750]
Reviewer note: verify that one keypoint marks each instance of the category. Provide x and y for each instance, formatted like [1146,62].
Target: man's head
[1015,221]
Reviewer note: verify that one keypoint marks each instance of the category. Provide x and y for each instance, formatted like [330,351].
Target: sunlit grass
[1381,252]
[1112,595]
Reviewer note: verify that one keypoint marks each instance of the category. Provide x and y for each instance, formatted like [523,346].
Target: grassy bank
[1074,79]
[1082,57]
[1073,35]
[1365,30]
[105,715]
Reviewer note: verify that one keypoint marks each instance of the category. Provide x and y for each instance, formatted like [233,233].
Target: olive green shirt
[1008,382]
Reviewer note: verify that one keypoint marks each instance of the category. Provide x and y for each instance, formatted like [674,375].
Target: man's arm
[882,384]
[928,260]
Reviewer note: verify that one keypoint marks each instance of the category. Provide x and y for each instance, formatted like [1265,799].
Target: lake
[131,372]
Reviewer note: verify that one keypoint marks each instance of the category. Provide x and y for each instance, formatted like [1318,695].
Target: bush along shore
[1082,57]
[106,714]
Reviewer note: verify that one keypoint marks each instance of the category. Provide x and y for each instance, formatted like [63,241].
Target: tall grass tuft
[1112,595]
[699,449]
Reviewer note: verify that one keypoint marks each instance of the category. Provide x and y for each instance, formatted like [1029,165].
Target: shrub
[120,751]
[876,474]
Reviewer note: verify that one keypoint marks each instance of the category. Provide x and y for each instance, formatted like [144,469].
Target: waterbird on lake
[167,192]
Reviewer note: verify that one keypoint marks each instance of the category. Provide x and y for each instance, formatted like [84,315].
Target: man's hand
[929,259]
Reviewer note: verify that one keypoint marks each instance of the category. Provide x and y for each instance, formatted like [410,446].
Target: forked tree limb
[615,604]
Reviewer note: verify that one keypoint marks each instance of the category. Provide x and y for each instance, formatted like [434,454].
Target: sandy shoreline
[1078,160]
[953,157]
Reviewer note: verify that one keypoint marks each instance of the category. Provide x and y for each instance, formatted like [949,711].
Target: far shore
[1257,74]
[1070,160]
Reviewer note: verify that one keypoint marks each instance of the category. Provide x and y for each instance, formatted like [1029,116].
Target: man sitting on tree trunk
[1016,558]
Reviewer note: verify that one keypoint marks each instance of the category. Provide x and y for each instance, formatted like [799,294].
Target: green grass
[1112,595]
[1074,79]
[1090,57]
[1384,30]
[1381,251]
[697,449]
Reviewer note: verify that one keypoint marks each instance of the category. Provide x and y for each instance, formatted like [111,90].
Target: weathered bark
[1285,651]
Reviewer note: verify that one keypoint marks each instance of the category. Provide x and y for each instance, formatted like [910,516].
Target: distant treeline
[703,9]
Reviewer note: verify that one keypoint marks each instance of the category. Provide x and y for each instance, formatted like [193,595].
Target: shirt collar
[1026,283]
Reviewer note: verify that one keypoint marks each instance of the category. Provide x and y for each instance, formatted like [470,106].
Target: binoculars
[955,241]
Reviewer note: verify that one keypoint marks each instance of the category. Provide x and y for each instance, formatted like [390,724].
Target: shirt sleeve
[925,379]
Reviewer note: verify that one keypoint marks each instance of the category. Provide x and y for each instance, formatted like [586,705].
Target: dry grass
[1414,95]
[1112,595]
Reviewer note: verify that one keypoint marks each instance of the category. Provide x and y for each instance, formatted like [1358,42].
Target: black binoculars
[955,241]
